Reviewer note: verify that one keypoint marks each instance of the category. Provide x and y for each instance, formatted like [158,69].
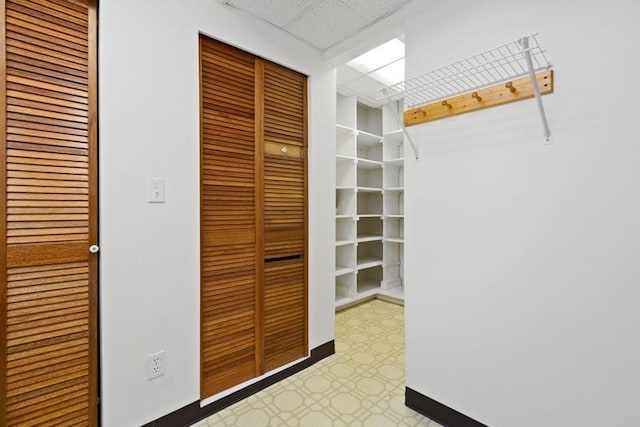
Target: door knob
[94,249]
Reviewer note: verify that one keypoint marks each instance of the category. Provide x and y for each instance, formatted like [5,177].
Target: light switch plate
[155,190]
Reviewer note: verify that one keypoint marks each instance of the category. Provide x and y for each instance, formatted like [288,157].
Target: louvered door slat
[228,266]
[285,291]
[48,105]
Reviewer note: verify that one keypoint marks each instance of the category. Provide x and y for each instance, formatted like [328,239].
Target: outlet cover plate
[155,365]
[155,190]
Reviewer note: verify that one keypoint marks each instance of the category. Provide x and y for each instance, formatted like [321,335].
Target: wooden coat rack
[512,72]
[491,96]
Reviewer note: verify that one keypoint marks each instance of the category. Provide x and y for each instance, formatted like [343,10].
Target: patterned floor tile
[362,385]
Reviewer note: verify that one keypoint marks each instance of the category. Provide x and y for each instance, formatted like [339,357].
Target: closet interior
[369,201]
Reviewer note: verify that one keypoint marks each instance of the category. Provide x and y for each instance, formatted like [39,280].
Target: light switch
[155,190]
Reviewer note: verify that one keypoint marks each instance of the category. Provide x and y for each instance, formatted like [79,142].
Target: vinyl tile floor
[362,385]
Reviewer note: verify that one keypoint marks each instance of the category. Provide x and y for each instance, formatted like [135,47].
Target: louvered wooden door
[253,216]
[228,210]
[48,216]
[285,292]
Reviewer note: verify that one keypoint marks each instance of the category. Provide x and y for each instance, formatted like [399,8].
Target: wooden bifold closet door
[48,213]
[253,216]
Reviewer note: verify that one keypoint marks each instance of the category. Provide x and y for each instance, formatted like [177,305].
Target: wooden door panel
[48,166]
[228,225]
[284,206]
[284,105]
[285,216]
[284,312]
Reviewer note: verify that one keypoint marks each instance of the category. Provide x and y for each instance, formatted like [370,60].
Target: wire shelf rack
[500,64]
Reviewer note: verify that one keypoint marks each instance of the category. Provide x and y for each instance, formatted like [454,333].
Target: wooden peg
[446,104]
[509,86]
[475,96]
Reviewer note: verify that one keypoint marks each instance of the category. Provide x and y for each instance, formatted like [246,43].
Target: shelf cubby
[345,202]
[393,176]
[345,259]
[345,231]
[393,145]
[369,119]
[369,281]
[392,117]
[372,150]
[369,228]
[345,172]
[369,255]
[393,265]
[394,203]
[345,142]
[345,286]
[369,201]
[369,177]
[394,229]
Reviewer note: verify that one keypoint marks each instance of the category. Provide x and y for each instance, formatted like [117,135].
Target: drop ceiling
[320,23]
[326,23]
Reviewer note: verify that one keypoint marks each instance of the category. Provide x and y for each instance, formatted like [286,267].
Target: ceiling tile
[278,12]
[326,22]
[375,9]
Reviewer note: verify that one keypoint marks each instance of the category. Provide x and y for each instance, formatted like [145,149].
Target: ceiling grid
[320,23]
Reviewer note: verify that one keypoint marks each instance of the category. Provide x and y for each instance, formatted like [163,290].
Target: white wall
[523,259]
[149,127]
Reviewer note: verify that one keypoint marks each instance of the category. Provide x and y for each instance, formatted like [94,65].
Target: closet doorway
[370,152]
[48,214]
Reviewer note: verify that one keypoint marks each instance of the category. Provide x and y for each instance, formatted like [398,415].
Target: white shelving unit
[393,155]
[369,191]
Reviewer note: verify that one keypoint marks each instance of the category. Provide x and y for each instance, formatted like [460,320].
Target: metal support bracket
[524,42]
[406,133]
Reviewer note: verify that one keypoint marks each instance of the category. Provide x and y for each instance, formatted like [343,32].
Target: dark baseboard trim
[437,411]
[193,413]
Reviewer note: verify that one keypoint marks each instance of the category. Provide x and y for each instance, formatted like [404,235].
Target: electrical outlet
[155,365]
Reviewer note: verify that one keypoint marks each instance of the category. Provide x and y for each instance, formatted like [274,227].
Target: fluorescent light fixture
[384,63]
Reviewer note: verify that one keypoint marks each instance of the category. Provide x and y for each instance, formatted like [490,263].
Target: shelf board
[344,130]
[394,189]
[344,242]
[394,294]
[368,139]
[368,262]
[368,216]
[368,238]
[345,187]
[393,216]
[368,287]
[394,162]
[341,271]
[394,136]
[343,300]
[351,217]
[369,190]
[345,158]
[394,239]
[368,164]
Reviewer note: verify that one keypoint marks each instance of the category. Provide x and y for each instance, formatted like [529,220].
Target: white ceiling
[321,23]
